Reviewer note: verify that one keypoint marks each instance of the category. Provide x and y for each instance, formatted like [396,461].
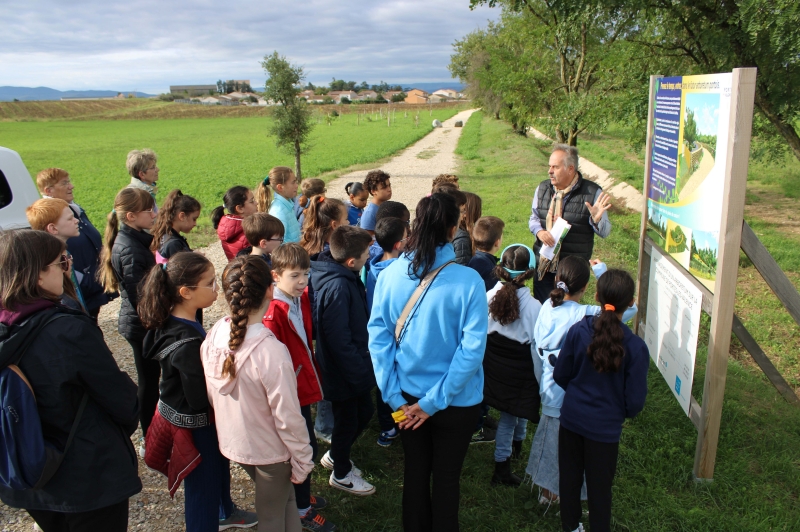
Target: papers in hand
[559,231]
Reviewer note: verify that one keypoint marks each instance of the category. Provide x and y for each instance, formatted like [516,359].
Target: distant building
[192,90]
[417,96]
[450,93]
[367,95]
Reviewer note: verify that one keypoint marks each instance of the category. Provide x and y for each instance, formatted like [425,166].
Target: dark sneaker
[489,422]
[386,438]
[485,435]
[315,522]
[239,519]
[318,503]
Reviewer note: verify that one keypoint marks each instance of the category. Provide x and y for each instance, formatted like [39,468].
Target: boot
[503,474]
[516,450]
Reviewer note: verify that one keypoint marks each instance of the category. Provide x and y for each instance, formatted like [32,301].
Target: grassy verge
[201,156]
[757,476]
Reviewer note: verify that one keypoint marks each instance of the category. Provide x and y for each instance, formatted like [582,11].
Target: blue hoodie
[440,358]
[375,267]
[551,329]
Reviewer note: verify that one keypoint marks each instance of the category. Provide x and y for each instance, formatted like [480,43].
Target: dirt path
[414,168]
[706,164]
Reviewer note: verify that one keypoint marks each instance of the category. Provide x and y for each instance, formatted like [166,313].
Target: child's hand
[595,262]
[415,417]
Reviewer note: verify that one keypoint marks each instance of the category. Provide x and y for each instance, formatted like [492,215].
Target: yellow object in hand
[399,416]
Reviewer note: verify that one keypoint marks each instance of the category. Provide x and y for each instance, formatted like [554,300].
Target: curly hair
[442,179]
[504,307]
[245,282]
[374,179]
[615,291]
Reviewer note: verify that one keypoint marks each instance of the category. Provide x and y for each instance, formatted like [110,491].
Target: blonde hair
[127,200]
[279,175]
[49,177]
[139,160]
[44,212]
[318,226]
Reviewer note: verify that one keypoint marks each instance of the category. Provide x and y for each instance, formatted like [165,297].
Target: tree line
[342,85]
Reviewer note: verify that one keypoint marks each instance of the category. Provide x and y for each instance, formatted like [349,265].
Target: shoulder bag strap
[423,286]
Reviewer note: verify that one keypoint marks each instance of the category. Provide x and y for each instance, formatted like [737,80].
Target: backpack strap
[412,301]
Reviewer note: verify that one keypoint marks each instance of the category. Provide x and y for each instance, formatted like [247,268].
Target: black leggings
[302,492]
[148,375]
[598,461]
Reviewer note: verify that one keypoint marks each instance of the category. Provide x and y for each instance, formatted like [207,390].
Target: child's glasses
[213,286]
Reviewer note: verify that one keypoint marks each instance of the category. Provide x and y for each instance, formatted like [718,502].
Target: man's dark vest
[580,239]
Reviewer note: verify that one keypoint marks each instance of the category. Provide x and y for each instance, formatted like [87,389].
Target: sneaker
[352,484]
[141,447]
[322,436]
[239,519]
[315,522]
[36,527]
[318,503]
[327,463]
[485,435]
[387,437]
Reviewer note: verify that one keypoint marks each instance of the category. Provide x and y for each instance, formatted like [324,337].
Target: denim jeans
[208,487]
[324,421]
[509,428]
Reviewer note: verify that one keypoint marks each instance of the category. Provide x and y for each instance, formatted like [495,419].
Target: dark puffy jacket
[171,243]
[463,247]
[131,259]
[65,360]
[183,399]
[85,250]
[510,384]
[340,319]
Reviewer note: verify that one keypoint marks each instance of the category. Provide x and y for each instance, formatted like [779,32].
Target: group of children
[300,285]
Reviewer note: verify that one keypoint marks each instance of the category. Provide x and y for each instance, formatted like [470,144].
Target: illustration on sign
[689,144]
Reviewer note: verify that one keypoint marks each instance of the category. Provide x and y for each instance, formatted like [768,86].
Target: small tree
[292,121]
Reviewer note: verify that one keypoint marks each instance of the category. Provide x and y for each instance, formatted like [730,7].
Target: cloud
[148,45]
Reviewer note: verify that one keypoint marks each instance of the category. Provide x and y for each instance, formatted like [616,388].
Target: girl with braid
[253,391]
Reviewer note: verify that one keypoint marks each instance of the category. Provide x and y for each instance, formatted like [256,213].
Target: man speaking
[580,202]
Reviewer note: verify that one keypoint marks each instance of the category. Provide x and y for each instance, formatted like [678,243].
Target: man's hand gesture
[600,206]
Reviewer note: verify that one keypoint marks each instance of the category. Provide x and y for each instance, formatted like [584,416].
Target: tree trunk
[785,128]
[297,170]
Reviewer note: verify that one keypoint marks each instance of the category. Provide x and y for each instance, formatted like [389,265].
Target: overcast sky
[147,45]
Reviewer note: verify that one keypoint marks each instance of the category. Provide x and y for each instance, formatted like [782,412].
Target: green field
[201,156]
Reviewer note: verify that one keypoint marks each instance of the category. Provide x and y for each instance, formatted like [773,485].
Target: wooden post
[730,234]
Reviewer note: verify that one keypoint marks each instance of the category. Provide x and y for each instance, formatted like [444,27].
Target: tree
[292,121]
[690,128]
[401,97]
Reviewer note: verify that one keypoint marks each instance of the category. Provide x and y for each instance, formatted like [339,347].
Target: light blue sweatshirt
[549,333]
[440,357]
[283,209]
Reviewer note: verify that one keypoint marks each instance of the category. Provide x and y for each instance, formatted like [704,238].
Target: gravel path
[414,168]
[412,171]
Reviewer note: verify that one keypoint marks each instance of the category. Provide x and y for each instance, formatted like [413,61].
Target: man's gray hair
[570,154]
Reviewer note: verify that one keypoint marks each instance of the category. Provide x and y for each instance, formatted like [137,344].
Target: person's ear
[182,216]
[499,242]
[48,191]
[51,228]
[130,216]
[185,292]
[350,263]
[279,187]
[238,209]
[262,243]
[275,276]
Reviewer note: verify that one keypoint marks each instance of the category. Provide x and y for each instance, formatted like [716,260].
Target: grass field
[201,156]
[757,477]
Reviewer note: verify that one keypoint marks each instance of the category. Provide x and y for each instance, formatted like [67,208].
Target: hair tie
[562,285]
[164,266]
[321,199]
[266,181]
[609,307]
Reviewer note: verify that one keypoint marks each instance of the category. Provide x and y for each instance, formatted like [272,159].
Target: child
[380,188]
[462,244]
[239,202]
[264,233]
[309,187]
[324,215]
[487,235]
[603,371]
[340,317]
[472,212]
[253,391]
[55,216]
[444,179]
[560,312]
[289,318]
[388,209]
[510,383]
[178,214]
[125,261]
[141,165]
[172,295]
[358,200]
[391,235]
[284,183]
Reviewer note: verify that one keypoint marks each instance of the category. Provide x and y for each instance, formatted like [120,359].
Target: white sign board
[673,322]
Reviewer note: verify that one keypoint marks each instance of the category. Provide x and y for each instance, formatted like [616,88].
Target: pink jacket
[257,412]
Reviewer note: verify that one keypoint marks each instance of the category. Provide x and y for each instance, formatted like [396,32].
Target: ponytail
[318,226]
[160,290]
[311,187]
[175,203]
[572,277]
[127,200]
[437,215]
[615,291]
[263,195]
[354,188]
[245,281]
[504,307]
[234,197]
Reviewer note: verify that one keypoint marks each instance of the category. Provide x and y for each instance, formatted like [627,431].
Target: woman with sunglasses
[126,260]
[65,361]
[171,296]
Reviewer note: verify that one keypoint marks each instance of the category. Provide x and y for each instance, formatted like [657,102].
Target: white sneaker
[327,462]
[322,436]
[352,484]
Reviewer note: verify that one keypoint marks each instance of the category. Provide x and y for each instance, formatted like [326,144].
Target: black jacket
[510,384]
[484,263]
[173,242]
[340,318]
[183,399]
[463,247]
[131,259]
[85,249]
[67,358]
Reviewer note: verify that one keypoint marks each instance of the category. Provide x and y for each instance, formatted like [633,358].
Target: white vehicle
[17,190]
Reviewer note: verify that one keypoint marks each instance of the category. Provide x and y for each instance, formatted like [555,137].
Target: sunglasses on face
[64,262]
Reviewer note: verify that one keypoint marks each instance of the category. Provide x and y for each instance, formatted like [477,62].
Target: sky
[147,45]
[706,111]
